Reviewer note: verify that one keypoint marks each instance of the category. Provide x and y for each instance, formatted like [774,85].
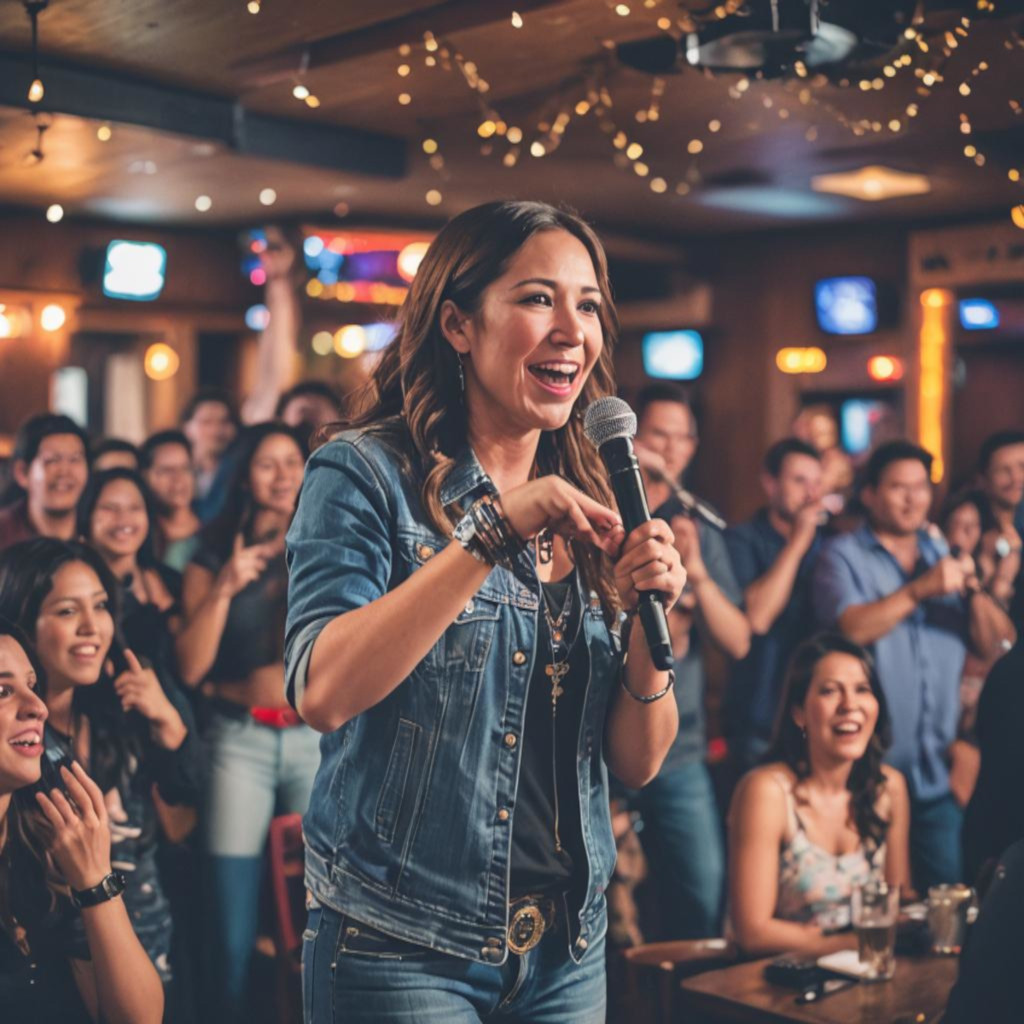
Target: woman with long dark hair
[823,813]
[261,756]
[457,578]
[106,710]
[54,856]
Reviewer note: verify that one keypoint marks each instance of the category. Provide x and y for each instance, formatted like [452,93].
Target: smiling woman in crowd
[823,814]
[120,724]
[55,849]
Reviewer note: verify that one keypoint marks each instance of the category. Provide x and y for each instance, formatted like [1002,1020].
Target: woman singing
[455,571]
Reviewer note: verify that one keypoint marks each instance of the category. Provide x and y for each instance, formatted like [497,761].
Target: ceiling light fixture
[33,8]
[872,183]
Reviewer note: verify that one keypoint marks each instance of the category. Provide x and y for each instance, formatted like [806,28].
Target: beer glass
[876,908]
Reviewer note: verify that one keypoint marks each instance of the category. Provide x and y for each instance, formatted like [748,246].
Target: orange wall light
[883,368]
[933,353]
[801,360]
[161,361]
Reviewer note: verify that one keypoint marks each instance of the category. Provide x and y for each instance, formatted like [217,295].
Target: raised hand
[79,839]
[245,565]
[554,504]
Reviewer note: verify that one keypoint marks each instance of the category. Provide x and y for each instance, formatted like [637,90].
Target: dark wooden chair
[653,971]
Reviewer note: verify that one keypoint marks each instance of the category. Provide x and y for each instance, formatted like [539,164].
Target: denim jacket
[410,823]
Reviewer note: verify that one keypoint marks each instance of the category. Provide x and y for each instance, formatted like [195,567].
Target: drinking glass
[875,911]
[949,910]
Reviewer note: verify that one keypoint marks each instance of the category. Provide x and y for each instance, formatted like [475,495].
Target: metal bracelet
[649,698]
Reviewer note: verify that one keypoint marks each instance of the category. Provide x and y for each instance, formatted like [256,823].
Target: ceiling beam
[442,19]
[107,96]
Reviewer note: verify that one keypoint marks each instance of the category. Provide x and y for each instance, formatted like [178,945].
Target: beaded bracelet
[491,539]
[649,698]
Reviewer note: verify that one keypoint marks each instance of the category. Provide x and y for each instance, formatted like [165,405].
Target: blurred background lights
[673,355]
[36,91]
[433,197]
[350,341]
[134,270]
[978,315]
[6,327]
[1017,216]
[54,213]
[883,368]
[52,317]
[322,343]
[300,92]
[313,246]
[801,360]
[258,277]
[104,132]
[257,317]
[268,196]
[203,203]
[410,258]
[161,361]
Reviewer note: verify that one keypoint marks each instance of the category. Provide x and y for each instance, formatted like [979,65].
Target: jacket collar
[466,476]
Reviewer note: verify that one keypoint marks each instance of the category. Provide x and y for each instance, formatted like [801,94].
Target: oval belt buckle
[525,929]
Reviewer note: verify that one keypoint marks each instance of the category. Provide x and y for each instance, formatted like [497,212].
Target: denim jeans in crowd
[254,772]
[355,974]
[682,837]
[935,852]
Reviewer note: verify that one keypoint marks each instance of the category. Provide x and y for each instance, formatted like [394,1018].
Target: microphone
[692,505]
[610,425]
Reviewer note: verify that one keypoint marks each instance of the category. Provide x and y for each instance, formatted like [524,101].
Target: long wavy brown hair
[414,399]
[867,780]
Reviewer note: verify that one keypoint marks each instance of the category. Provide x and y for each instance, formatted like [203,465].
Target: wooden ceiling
[753,173]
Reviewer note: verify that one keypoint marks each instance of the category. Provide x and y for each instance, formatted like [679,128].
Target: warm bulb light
[203,203]
[161,361]
[322,343]
[883,368]
[350,341]
[300,92]
[410,258]
[801,360]
[1017,216]
[268,197]
[36,91]
[54,213]
[52,317]
[104,132]
[6,328]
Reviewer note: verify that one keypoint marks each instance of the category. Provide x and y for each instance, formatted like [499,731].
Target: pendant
[556,635]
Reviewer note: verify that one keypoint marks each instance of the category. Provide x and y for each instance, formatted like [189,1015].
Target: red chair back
[287,865]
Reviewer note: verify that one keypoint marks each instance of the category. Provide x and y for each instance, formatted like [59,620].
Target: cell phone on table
[794,971]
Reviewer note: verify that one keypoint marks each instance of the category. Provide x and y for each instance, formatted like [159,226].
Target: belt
[529,917]
[273,718]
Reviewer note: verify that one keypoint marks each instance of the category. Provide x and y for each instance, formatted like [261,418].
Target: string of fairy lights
[926,55]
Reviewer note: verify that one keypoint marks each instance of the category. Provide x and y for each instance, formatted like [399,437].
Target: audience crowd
[869,717]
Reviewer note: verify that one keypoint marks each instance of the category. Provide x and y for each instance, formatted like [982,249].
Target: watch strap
[108,888]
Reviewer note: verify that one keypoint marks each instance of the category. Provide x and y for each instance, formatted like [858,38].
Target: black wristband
[111,886]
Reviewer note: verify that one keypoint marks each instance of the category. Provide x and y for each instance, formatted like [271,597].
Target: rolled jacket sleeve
[338,550]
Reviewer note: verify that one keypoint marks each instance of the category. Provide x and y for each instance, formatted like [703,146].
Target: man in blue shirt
[682,827]
[892,584]
[772,557]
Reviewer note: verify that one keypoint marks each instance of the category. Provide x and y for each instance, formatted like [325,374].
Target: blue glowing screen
[134,270]
[846,305]
[673,355]
[978,315]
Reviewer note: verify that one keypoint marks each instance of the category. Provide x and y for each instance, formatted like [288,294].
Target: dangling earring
[461,373]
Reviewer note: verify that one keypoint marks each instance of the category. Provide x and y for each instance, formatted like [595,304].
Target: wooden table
[916,995]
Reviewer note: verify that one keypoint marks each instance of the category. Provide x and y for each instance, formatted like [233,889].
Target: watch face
[114,883]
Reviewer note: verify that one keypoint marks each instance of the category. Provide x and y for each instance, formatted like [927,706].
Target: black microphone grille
[608,418]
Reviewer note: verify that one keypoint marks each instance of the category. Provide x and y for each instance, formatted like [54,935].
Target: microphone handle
[631,498]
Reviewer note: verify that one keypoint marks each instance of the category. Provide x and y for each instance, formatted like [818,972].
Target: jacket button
[495,943]
[581,944]
[502,816]
[510,740]
[519,658]
[424,551]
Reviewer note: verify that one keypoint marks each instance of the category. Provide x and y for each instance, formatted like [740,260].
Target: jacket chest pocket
[392,792]
[468,639]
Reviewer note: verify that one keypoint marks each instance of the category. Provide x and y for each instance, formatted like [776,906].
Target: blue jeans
[935,854]
[354,974]
[682,837]
[254,770]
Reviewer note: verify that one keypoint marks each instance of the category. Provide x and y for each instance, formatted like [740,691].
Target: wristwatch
[111,886]
[465,533]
